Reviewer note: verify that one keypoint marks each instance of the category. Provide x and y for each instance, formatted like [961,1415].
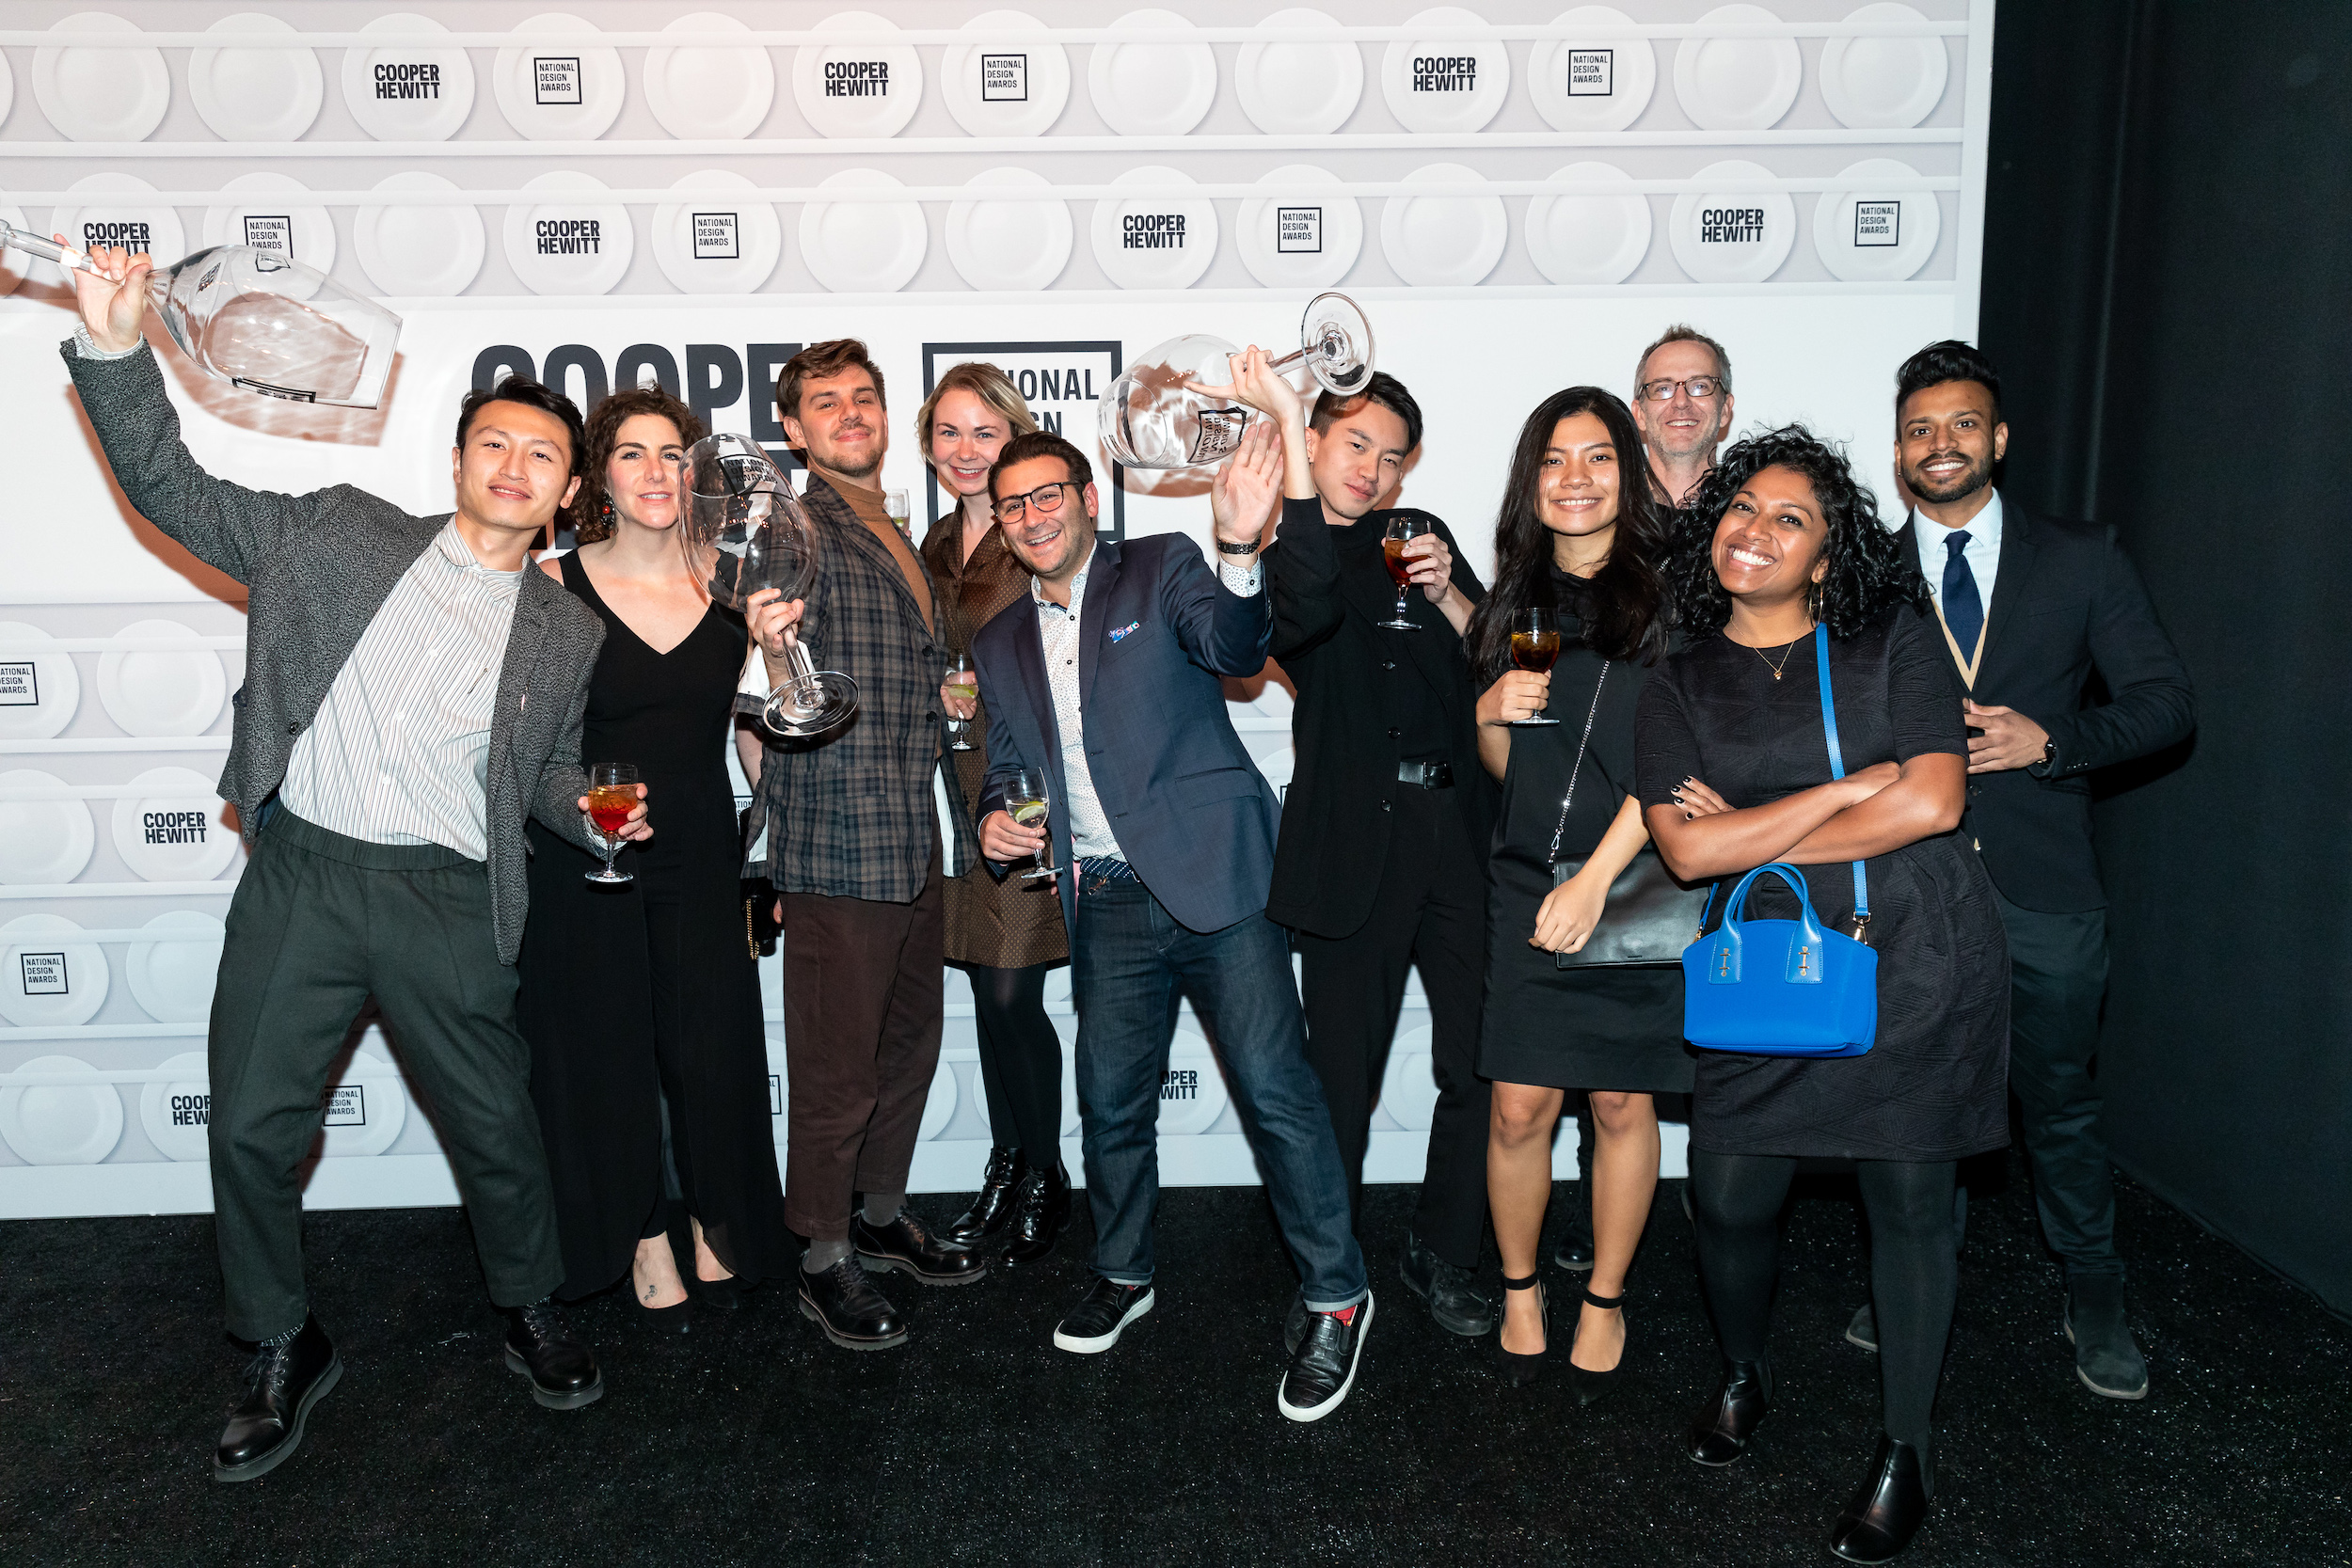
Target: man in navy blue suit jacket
[1107,680]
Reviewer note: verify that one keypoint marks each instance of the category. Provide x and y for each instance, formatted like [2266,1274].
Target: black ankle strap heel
[1527,1284]
[1517,1369]
[1590,1386]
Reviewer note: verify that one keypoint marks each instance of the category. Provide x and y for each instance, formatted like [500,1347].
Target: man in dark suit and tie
[2034,612]
[1107,679]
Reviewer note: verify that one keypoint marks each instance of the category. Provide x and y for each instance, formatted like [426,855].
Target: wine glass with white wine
[1029,803]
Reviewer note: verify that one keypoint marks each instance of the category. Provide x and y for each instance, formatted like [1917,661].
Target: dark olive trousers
[318,924]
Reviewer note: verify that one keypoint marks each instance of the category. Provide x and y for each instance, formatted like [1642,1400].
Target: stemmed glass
[1154,415]
[900,512]
[1028,803]
[963,682]
[1392,541]
[611,796]
[1534,644]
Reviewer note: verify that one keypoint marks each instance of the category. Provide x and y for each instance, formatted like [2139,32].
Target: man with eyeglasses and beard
[1682,404]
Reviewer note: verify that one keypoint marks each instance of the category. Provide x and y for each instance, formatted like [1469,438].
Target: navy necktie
[1964,608]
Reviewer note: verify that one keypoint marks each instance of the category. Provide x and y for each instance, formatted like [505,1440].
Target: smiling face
[842,425]
[1683,426]
[1946,441]
[515,468]
[1053,544]
[646,475]
[1770,545]
[1358,457]
[965,435]
[1577,484]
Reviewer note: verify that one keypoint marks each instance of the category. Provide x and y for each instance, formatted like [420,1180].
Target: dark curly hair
[592,509]
[1869,575]
[1633,615]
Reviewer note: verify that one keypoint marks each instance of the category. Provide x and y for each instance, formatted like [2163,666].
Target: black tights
[1020,1060]
[1737,1198]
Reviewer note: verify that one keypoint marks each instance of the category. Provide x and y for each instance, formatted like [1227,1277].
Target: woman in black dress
[1734,773]
[642,1002]
[1582,539]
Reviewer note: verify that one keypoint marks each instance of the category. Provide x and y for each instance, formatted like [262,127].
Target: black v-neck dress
[647,993]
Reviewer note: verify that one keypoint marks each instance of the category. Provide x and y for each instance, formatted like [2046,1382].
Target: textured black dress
[636,995]
[1617,1029]
[1934,1086]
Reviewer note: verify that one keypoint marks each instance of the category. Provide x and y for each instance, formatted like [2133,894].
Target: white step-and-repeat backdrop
[1519,196]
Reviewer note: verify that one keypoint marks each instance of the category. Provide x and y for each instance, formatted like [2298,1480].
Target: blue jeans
[1129,964]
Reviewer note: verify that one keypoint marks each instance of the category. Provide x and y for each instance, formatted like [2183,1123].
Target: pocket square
[1122,631]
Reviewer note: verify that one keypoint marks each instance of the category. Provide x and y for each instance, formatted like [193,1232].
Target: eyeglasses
[1047,499]
[1700,387]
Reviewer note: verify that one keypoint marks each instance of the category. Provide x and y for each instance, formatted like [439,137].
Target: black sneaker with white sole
[1323,1368]
[1100,1316]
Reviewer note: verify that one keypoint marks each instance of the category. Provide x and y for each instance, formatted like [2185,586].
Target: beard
[849,468]
[1967,482]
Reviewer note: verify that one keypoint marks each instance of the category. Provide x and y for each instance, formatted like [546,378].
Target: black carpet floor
[752,1441]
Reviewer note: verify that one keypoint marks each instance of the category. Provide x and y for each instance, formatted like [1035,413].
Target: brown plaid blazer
[851,814]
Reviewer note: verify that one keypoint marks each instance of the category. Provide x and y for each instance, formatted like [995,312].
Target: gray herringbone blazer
[319,567]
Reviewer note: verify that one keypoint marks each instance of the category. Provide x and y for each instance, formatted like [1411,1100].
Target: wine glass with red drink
[1392,541]
[1534,644]
[611,796]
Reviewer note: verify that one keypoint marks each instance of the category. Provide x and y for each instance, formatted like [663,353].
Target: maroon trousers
[862,989]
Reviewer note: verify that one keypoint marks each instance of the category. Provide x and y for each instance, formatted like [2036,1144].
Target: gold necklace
[1785,654]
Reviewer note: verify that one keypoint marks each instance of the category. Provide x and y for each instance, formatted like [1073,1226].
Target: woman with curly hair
[1582,541]
[1734,773]
[649,1061]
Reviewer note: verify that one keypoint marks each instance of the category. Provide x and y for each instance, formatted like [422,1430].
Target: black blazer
[1335,835]
[2067,606]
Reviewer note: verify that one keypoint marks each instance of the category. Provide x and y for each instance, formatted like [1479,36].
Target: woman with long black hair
[1581,546]
[1735,773]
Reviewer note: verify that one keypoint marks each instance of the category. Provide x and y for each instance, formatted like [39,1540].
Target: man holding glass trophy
[413,693]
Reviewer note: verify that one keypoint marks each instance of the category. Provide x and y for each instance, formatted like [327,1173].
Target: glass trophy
[1150,419]
[262,320]
[746,532]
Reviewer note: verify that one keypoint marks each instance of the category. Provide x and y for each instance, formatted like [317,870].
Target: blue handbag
[1785,988]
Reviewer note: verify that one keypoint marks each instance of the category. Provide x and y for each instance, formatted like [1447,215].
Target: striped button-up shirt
[400,747]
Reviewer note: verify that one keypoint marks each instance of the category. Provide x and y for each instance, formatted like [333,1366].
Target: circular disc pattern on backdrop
[1588,238]
[939,1105]
[118,209]
[364,1113]
[430,251]
[172,831]
[13,261]
[100,94]
[270,218]
[253,92]
[1875,235]
[570,243]
[1011,81]
[1152,88]
[1154,242]
[42,841]
[702,93]
[854,246]
[866,89]
[1435,83]
[48,979]
[1887,81]
[60,1124]
[1409,1091]
[1737,84]
[1441,240]
[39,689]
[176,1112]
[8,88]
[1302,233]
[1192,1095]
[717,241]
[152,693]
[1603,85]
[552,85]
[1293,88]
[407,91]
[1009,243]
[172,977]
[1739,237]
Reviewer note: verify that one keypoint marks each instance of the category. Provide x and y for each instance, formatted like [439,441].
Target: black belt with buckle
[1426,775]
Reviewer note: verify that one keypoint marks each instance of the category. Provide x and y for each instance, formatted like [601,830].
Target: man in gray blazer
[385,752]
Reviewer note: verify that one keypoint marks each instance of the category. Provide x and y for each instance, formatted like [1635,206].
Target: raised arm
[1225,632]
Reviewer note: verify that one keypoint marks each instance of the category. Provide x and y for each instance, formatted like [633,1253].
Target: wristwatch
[1248,547]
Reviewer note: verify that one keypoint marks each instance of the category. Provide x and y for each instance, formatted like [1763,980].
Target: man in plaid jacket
[854,851]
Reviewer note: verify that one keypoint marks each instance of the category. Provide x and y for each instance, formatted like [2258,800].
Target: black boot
[910,1245]
[1721,1433]
[1880,1519]
[990,1212]
[1039,1217]
[1450,1293]
[282,1383]
[562,1368]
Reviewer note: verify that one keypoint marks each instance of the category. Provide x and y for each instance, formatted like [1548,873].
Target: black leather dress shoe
[1323,1368]
[1574,1254]
[562,1368]
[910,1245]
[1102,1316]
[281,1384]
[2106,1359]
[1721,1433]
[1863,1328]
[1039,1217]
[1880,1519]
[992,1210]
[1454,1297]
[843,1302]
